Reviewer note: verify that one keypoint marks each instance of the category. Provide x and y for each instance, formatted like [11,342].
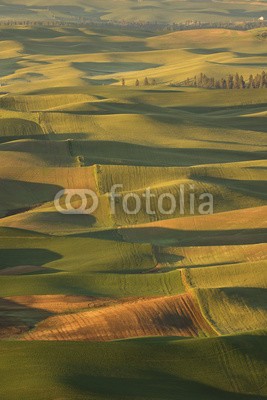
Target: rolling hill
[166,11]
[177,300]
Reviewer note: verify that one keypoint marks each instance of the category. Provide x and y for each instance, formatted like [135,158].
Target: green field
[178,299]
[143,369]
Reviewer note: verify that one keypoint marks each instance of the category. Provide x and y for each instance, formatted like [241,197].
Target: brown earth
[59,303]
[165,316]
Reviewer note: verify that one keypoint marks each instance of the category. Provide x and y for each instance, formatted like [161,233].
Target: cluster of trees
[152,26]
[53,23]
[186,25]
[231,82]
[146,82]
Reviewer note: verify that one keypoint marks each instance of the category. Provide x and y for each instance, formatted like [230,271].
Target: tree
[251,82]
[258,81]
[236,83]
[223,83]
[205,81]
[146,82]
[212,83]
[242,83]
[263,79]
[200,80]
[230,82]
[187,82]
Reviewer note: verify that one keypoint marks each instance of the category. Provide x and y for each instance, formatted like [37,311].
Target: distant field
[179,299]
[132,10]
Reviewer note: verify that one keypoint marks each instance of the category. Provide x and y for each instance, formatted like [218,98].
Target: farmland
[160,11]
[132,306]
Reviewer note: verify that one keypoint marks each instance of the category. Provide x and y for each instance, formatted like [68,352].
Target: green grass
[229,367]
[66,122]
[223,307]
[99,285]
[80,266]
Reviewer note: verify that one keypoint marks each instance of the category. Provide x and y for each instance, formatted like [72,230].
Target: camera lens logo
[63,201]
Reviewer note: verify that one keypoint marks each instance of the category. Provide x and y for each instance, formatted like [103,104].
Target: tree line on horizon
[138,83]
[152,26]
[235,81]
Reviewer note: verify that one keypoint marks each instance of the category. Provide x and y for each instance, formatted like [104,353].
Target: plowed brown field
[164,316]
[58,303]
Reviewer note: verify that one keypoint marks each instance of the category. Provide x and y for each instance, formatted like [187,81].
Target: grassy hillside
[178,298]
[229,367]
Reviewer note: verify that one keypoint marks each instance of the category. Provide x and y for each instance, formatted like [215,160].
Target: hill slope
[178,297]
[167,11]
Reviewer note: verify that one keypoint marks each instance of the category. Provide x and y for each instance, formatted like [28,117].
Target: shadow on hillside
[245,64]
[233,122]
[99,44]
[166,258]
[227,142]
[95,82]
[17,319]
[121,153]
[57,221]
[250,296]
[254,124]
[152,90]
[11,138]
[222,108]
[187,238]
[256,189]
[31,256]
[9,66]
[147,384]
[181,238]
[20,196]
[48,137]
[245,55]
[104,68]
[208,51]
[9,127]
[115,108]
